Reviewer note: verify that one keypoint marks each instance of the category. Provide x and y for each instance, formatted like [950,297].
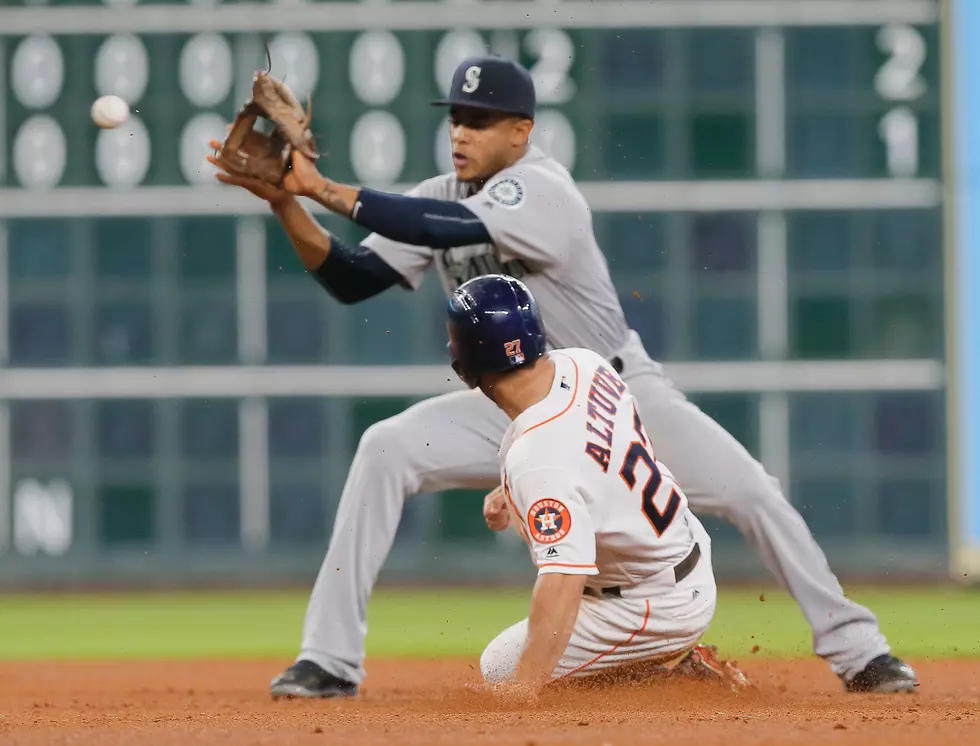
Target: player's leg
[720,478]
[608,634]
[446,442]
[611,633]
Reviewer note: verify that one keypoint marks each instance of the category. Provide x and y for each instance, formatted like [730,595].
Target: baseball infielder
[509,208]
[624,568]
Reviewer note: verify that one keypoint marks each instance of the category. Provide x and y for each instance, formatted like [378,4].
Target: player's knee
[383,443]
[499,659]
[496,665]
[758,492]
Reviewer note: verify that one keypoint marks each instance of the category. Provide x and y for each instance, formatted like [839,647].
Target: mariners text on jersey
[541,232]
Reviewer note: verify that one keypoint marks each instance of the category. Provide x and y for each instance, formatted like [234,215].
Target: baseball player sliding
[509,208]
[624,568]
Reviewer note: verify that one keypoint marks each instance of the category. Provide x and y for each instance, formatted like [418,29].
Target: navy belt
[681,570]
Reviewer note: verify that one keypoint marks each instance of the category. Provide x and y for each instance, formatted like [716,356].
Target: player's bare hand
[260,189]
[495,511]
[303,179]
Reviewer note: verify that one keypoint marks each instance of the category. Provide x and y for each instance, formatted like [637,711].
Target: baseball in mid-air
[109,112]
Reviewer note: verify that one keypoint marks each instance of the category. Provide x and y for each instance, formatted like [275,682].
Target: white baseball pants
[658,622]
[451,442]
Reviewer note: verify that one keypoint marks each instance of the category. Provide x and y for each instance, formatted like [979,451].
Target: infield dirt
[214,703]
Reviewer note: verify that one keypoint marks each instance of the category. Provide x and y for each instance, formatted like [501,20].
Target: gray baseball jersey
[541,231]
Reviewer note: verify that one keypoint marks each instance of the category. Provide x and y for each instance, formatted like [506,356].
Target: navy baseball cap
[492,83]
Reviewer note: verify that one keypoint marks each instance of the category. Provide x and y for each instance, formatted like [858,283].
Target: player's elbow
[438,235]
[347,296]
[353,275]
[389,448]
[453,225]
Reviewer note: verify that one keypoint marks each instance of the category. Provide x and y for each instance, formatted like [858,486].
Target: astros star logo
[549,521]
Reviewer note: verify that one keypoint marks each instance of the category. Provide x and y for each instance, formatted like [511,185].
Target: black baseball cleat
[886,674]
[306,679]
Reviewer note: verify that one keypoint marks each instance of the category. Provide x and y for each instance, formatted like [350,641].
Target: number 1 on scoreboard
[899,80]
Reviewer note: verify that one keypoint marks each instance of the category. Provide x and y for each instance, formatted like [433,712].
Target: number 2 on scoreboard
[899,79]
[637,452]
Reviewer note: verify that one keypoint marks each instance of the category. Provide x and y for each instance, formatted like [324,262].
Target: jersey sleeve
[527,213]
[408,260]
[560,530]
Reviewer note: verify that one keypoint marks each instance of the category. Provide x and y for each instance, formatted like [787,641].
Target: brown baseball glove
[249,152]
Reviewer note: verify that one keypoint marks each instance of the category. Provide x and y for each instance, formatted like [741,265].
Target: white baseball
[109,112]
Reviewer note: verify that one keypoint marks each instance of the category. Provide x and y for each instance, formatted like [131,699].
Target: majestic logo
[472,79]
[508,192]
[549,521]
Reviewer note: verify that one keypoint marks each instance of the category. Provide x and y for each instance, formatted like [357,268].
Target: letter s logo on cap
[472,76]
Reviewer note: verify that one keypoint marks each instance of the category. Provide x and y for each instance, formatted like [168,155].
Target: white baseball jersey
[581,475]
[541,231]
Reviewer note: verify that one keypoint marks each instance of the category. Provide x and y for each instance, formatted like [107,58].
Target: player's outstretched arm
[349,275]
[408,219]
[310,239]
[562,538]
[554,609]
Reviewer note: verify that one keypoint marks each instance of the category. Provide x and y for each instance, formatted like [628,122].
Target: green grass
[919,622]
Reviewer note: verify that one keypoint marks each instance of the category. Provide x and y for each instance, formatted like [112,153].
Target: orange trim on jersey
[564,564]
[570,403]
[614,648]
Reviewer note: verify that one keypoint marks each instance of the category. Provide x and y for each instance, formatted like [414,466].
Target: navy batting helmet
[494,326]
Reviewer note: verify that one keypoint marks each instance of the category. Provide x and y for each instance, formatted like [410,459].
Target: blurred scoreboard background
[180,400]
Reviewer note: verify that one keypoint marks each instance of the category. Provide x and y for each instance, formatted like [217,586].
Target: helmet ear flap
[471,382]
[456,357]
